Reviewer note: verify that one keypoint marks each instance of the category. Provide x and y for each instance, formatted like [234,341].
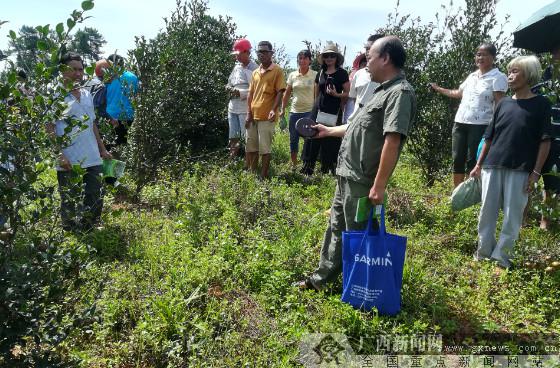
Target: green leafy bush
[442,52]
[35,267]
[30,41]
[182,110]
[26,149]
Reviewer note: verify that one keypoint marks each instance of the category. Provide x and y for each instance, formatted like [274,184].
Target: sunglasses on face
[263,52]
[329,56]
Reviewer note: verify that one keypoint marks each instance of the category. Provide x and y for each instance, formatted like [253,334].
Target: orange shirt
[265,85]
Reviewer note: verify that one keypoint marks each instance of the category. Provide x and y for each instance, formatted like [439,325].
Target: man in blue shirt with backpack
[118,93]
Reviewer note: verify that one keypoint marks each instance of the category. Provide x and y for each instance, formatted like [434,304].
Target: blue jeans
[294,135]
[3,220]
[236,125]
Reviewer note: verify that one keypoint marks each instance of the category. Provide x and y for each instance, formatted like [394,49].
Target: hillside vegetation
[198,272]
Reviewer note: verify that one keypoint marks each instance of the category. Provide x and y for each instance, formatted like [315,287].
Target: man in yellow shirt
[265,94]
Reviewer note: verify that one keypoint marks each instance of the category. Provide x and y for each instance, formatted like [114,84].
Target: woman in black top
[517,142]
[332,87]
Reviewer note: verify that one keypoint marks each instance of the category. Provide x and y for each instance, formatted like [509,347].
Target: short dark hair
[116,59]
[489,47]
[70,56]
[375,37]
[392,46]
[265,43]
[306,53]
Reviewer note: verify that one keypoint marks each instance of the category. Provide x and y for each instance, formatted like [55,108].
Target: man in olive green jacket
[372,143]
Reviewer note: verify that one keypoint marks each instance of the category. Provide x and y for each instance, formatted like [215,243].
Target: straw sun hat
[331,47]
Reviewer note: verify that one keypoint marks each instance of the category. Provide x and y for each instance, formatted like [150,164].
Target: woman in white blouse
[479,94]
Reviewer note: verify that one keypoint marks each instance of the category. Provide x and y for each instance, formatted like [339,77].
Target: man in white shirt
[238,88]
[362,87]
[84,149]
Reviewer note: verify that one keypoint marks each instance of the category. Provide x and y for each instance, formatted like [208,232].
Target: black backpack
[99,94]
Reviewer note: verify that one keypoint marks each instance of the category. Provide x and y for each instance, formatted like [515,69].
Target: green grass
[198,272]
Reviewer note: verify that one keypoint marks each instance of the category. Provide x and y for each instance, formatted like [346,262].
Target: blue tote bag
[372,268]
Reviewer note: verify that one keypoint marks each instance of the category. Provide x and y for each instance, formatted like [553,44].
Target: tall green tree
[25,47]
[443,52]
[88,42]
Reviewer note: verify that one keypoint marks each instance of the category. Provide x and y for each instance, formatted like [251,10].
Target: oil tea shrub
[35,264]
[182,107]
[443,52]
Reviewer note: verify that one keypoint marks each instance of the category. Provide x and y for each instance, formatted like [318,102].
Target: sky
[283,22]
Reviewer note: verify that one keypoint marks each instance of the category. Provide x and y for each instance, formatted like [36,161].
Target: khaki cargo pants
[343,212]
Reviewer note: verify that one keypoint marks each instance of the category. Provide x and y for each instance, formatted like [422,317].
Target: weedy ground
[198,272]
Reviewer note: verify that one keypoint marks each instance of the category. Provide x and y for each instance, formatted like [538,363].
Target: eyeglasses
[330,55]
[263,51]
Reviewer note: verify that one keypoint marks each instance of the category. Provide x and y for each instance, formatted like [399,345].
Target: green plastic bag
[467,194]
[363,208]
[113,168]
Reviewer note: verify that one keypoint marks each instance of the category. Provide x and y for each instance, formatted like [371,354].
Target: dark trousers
[121,132]
[324,148]
[81,198]
[464,144]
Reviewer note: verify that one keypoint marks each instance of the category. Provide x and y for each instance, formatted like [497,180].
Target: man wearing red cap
[238,88]
[97,88]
